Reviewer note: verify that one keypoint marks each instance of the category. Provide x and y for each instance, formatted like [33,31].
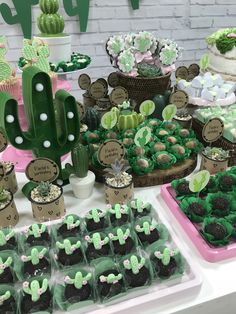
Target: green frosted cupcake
[180,152]
[130,133]
[170,126]
[162,133]
[137,151]
[157,147]
[193,145]
[164,160]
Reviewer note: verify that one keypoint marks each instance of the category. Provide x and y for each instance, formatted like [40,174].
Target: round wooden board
[158,177]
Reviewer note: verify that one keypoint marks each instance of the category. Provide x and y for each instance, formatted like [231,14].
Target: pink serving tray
[210,253]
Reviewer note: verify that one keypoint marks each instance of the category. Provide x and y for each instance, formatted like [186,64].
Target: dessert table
[218,291]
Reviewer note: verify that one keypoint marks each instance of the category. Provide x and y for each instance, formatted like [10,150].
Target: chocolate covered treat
[78,288]
[122,241]
[119,214]
[136,273]
[110,283]
[36,297]
[70,252]
[6,275]
[70,226]
[37,234]
[7,239]
[36,262]
[147,232]
[96,220]
[98,245]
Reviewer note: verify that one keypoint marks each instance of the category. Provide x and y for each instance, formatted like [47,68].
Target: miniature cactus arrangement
[78,287]
[36,262]
[56,133]
[50,22]
[215,159]
[121,236]
[98,245]
[69,253]
[79,280]
[122,241]
[147,232]
[110,284]
[70,226]
[149,70]
[96,220]
[119,214]
[117,175]
[7,239]
[37,234]
[8,177]
[4,196]
[111,279]
[215,153]
[4,297]
[165,263]
[81,179]
[133,264]
[140,208]
[34,289]
[6,274]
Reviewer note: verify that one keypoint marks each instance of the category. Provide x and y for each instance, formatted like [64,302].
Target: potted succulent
[183,118]
[8,213]
[214,159]
[8,176]
[118,183]
[81,179]
[47,201]
[36,296]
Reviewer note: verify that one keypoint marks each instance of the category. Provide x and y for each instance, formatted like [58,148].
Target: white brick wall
[186,21]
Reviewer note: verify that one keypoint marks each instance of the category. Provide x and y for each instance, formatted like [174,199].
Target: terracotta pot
[9,216]
[50,210]
[88,101]
[119,195]
[8,181]
[213,166]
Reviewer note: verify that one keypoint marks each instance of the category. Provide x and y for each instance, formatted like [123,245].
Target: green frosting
[35,256]
[68,247]
[5,264]
[121,235]
[186,203]
[146,227]
[211,238]
[50,22]
[34,289]
[36,230]
[79,280]
[111,278]
[71,222]
[5,297]
[6,236]
[118,210]
[133,264]
[97,241]
[96,215]
[166,255]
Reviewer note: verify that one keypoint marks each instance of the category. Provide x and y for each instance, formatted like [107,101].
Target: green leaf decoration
[109,120]
[169,112]
[204,62]
[199,181]
[147,107]
[143,136]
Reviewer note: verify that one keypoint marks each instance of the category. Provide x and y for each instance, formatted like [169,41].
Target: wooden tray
[158,177]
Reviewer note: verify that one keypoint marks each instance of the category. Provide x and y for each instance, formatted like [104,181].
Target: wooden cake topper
[189,73]
[113,79]
[84,81]
[42,169]
[119,95]
[179,98]
[110,151]
[213,130]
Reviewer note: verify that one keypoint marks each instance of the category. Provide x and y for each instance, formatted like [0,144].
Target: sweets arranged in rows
[104,255]
[213,211]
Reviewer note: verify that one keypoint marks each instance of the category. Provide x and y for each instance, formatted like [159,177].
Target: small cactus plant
[118,210]
[111,279]
[96,215]
[216,153]
[68,247]
[133,264]
[92,119]
[35,256]
[44,189]
[80,161]
[50,22]
[5,264]
[79,280]
[149,70]
[36,230]
[4,237]
[166,255]
[97,241]
[5,297]
[120,236]
[147,228]
[71,222]
[34,289]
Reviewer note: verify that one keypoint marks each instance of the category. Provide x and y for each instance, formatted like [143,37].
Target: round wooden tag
[179,98]
[190,77]
[181,72]
[84,81]
[110,151]
[3,141]
[97,90]
[194,69]
[119,95]
[213,130]
[42,169]
[113,79]
[103,81]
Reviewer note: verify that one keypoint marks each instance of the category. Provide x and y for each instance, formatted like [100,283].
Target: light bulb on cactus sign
[23,9]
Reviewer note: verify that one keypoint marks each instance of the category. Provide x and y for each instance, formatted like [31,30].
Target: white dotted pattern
[70,115]
[71,137]
[43,117]
[19,140]
[46,144]
[39,87]
[10,118]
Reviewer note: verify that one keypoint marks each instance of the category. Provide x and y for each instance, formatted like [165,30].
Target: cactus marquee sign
[23,15]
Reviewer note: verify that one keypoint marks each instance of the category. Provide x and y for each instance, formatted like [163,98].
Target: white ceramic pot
[60,48]
[82,187]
